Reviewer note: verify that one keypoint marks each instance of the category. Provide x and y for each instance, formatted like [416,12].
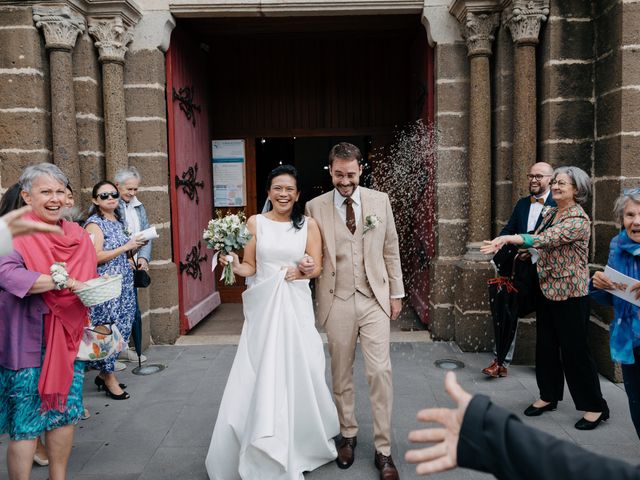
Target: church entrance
[288,88]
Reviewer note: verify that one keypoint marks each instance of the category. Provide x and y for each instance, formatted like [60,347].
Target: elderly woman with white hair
[134,216]
[41,326]
[562,242]
[624,334]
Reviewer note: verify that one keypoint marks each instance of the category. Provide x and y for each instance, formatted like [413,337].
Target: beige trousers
[361,316]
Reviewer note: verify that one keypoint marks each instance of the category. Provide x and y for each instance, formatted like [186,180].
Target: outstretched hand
[443,455]
[18,226]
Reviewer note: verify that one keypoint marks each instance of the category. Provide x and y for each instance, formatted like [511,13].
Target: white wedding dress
[277,418]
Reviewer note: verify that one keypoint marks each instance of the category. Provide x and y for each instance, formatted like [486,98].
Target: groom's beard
[347,191]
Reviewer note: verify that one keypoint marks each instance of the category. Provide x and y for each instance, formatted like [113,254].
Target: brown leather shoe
[495,370]
[346,452]
[388,470]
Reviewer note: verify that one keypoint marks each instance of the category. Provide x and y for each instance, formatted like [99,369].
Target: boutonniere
[127,232]
[371,222]
[545,210]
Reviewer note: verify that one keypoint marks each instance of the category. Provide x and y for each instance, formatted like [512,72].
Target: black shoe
[99,381]
[122,396]
[532,411]
[584,424]
[346,452]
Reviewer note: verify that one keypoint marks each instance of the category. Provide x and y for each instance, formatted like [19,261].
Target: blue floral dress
[121,310]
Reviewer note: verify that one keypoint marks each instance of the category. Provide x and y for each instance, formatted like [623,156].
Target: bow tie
[534,199]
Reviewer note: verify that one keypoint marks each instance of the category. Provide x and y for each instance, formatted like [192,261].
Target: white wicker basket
[100,290]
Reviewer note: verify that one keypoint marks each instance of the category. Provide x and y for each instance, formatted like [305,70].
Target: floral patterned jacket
[563,246]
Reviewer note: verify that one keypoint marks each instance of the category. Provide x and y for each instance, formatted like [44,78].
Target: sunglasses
[631,191]
[106,195]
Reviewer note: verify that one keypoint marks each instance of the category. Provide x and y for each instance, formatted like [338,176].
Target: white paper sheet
[148,234]
[624,284]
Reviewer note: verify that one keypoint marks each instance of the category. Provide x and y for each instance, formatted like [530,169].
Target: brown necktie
[351,216]
[535,199]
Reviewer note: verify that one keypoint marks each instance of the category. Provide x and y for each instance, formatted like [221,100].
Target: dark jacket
[493,440]
[520,216]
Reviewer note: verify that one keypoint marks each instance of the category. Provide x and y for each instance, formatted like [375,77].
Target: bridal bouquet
[227,234]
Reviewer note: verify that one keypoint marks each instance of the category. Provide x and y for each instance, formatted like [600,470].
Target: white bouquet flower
[227,234]
[59,275]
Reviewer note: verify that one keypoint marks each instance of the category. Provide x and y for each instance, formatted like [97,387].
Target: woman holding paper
[624,257]
[113,247]
[562,241]
[134,216]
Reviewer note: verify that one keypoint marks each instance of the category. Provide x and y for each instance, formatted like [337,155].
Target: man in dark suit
[526,218]
[484,437]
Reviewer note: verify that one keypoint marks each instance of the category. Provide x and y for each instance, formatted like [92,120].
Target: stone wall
[617,136]
[26,138]
[144,84]
[25,100]
[452,121]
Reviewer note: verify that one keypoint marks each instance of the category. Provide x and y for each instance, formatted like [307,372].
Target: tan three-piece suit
[361,271]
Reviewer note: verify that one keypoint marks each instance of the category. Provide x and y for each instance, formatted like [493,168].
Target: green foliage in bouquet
[226,234]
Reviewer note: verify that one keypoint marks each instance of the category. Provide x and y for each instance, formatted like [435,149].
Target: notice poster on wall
[228,158]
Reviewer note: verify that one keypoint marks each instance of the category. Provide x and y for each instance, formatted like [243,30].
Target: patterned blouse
[563,267]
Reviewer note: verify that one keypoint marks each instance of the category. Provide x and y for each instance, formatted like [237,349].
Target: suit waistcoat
[350,272]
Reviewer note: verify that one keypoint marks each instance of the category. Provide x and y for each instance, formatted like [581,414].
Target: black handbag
[141,278]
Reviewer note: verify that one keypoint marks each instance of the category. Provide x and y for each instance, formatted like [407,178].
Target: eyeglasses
[631,191]
[537,177]
[105,195]
[560,183]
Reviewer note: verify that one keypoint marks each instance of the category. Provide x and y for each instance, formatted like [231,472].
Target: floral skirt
[20,414]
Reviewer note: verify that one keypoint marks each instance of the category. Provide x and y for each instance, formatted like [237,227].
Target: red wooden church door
[191,180]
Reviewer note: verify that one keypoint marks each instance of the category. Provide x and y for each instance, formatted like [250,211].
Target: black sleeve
[493,440]
[511,228]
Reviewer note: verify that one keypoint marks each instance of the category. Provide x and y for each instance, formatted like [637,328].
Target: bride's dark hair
[297,216]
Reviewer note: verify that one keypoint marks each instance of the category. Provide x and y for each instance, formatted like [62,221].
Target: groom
[359,290]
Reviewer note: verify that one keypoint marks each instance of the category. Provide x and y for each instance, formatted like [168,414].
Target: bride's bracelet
[59,275]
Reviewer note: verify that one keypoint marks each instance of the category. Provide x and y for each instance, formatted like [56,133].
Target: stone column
[111,37]
[472,326]
[478,33]
[61,28]
[524,23]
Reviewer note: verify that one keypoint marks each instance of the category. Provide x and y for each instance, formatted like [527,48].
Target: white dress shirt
[534,211]
[338,201]
[131,215]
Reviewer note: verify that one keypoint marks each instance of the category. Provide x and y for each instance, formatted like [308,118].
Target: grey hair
[618,207]
[125,174]
[34,171]
[580,180]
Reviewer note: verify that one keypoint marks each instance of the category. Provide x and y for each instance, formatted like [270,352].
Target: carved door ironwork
[190,166]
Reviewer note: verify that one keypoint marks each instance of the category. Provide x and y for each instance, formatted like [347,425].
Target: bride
[277,418]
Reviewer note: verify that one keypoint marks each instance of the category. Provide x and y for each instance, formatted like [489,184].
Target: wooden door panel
[191,178]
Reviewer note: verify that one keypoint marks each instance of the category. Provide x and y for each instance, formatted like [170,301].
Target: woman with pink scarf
[41,325]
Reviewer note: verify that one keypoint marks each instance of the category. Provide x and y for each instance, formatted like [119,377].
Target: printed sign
[228,158]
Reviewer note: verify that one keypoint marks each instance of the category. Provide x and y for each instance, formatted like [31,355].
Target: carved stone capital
[478,32]
[524,20]
[60,26]
[111,37]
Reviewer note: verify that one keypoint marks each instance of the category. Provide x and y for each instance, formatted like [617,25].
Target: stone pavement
[163,431]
